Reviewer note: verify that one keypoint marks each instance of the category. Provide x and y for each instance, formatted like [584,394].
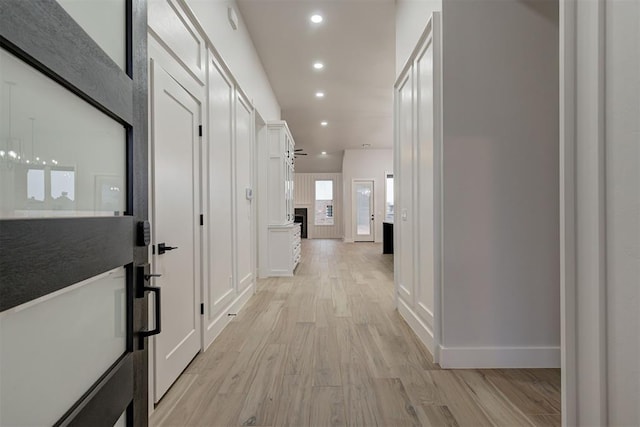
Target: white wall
[304,197]
[238,52]
[411,18]
[365,164]
[501,291]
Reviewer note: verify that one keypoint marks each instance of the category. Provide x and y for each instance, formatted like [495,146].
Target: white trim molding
[499,357]
[581,101]
[417,325]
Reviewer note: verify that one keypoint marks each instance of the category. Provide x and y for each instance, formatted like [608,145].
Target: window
[388,210]
[324,202]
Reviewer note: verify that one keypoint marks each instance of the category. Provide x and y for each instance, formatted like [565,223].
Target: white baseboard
[417,325]
[245,281]
[480,357]
[217,326]
[344,239]
[499,357]
[280,273]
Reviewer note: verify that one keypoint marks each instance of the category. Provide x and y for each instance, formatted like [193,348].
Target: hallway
[327,347]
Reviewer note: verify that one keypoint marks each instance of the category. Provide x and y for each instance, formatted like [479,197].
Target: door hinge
[200,130]
[201,219]
[202,308]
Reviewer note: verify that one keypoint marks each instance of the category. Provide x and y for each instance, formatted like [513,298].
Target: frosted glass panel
[363,209]
[104,21]
[53,349]
[59,156]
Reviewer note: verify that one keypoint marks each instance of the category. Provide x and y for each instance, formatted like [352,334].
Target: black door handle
[156,330]
[162,248]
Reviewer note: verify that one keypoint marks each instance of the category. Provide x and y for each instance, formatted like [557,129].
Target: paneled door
[175,148]
[363,213]
[73,193]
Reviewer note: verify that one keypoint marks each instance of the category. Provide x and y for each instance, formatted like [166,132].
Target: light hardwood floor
[327,347]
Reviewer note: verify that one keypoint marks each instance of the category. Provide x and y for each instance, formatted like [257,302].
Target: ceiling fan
[298,152]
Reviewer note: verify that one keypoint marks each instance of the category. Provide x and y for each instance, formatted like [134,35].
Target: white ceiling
[356,43]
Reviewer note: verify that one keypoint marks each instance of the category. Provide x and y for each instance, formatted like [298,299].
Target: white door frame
[354,211]
[583,207]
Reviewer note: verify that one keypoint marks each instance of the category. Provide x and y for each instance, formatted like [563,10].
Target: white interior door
[363,213]
[175,194]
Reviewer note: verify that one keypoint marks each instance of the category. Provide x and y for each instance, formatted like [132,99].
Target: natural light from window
[324,202]
[388,214]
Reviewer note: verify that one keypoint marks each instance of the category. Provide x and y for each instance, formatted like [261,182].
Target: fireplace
[301,217]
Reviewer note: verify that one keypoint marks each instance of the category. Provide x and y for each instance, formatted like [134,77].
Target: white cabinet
[280,173]
[284,249]
[283,236]
[296,243]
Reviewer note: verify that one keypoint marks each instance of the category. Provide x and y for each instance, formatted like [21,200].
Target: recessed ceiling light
[316,19]
[324,123]
[320,94]
[324,153]
[318,65]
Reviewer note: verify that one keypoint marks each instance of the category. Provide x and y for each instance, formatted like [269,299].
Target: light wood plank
[459,399]
[327,365]
[172,398]
[495,406]
[293,408]
[259,407]
[395,406]
[327,407]
[300,357]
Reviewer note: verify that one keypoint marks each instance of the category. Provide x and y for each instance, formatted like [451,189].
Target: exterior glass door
[363,211]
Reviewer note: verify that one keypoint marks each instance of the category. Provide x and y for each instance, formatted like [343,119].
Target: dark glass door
[73,201]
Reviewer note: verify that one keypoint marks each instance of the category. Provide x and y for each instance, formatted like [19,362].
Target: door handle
[158,308]
[162,248]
